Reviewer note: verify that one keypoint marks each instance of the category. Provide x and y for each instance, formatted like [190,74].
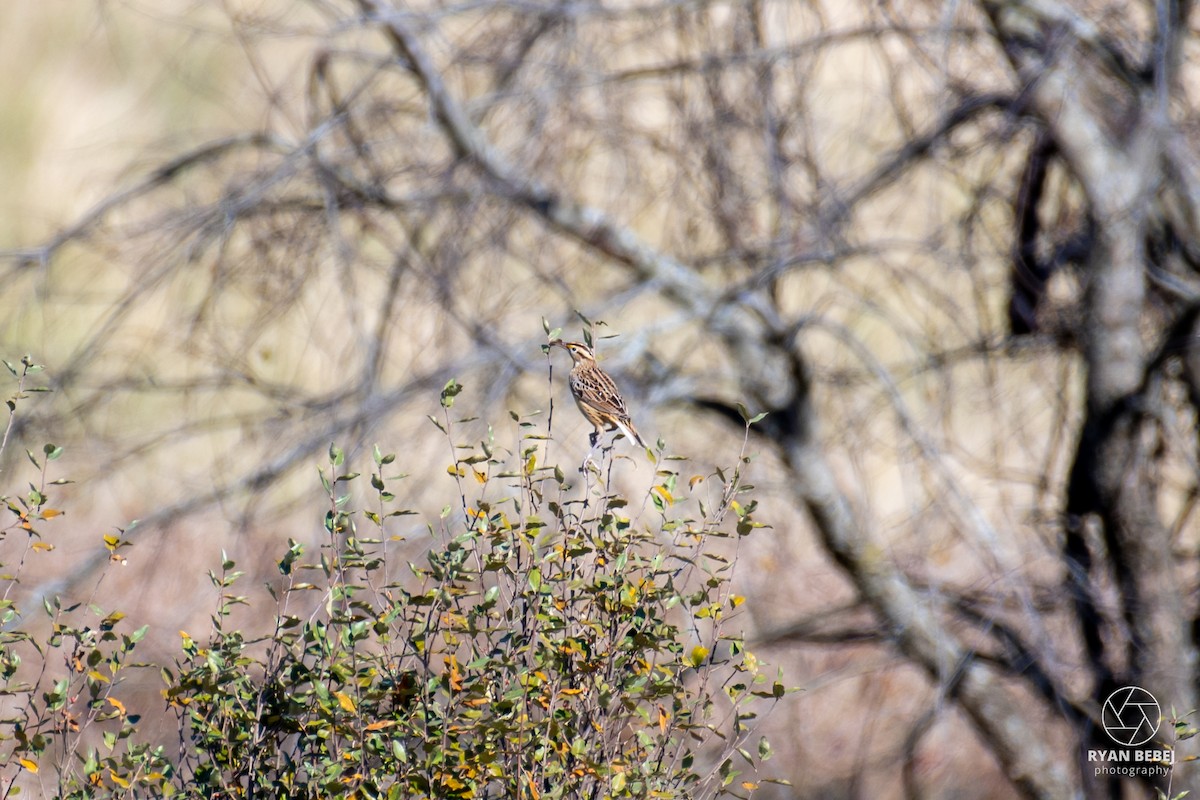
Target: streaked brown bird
[596,394]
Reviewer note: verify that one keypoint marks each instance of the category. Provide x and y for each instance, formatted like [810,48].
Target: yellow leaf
[664,494]
[96,676]
[456,470]
[751,785]
[479,476]
[345,701]
[618,782]
[50,513]
[663,719]
[736,600]
[118,780]
[29,765]
[694,480]
[118,705]
[42,546]
[698,655]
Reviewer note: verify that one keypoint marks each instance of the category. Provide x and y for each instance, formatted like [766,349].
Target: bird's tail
[626,426]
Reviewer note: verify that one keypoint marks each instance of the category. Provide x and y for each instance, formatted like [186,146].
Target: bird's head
[579,351]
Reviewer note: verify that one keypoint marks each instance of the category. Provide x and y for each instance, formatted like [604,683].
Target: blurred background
[948,247]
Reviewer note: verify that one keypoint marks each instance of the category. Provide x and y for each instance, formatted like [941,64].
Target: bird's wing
[598,391]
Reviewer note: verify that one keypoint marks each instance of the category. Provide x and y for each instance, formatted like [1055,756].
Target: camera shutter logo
[1130,716]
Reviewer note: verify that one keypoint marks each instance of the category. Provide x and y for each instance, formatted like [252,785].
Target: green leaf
[726,772]
[764,748]
[450,391]
[749,420]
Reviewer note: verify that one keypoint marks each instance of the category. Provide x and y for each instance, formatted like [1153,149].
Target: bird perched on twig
[596,394]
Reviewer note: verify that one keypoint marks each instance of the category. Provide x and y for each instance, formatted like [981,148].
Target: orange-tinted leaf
[381,724]
[456,683]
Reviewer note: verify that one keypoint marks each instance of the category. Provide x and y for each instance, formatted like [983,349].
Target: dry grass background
[200,385]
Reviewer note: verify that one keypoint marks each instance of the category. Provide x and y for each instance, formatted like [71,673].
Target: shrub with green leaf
[553,641]
[63,726]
